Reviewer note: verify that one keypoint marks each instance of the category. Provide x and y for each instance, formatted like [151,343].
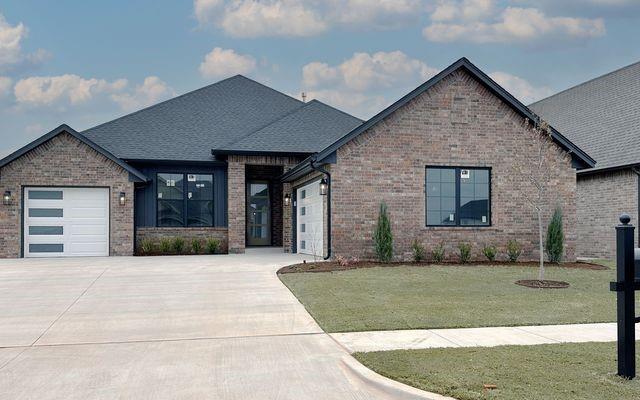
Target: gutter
[325,172]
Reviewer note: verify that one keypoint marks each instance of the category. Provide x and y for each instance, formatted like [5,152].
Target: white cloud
[299,18]
[521,88]
[364,83]
[5,85]
[11,38]
[152,90]
[47,90]
[470,21]
[220,63]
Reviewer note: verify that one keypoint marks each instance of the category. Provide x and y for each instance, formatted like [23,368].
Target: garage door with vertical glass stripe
[66,222]
[310,218]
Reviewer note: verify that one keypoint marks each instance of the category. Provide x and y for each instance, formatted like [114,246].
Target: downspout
[324,171]
[636,170]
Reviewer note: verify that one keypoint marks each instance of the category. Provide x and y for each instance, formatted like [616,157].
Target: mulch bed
[331,266]
[545,284]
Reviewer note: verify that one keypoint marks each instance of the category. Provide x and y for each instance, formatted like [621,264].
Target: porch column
[237,204]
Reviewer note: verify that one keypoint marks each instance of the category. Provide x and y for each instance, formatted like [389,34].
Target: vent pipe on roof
[304,97]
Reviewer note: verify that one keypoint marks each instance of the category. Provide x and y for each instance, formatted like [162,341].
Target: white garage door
[66,222]
[310,218]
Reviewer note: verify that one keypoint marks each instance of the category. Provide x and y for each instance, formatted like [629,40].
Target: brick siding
[66,161]
[458,122]
[601,199]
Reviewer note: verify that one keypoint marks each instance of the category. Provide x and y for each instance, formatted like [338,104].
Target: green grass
[555,371]
[406,297]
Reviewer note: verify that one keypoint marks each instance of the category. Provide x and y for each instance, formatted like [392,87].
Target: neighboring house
[243,163]
[602,117]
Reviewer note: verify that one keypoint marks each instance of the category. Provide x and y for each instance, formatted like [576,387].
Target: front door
[258,214]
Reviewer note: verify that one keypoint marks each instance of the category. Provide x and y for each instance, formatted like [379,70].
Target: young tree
[535,165]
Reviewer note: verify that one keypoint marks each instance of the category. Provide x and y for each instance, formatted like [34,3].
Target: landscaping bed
[407,296]
[330,266]
[542,372]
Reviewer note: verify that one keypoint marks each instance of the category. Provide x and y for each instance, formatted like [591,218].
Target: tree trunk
[541,273]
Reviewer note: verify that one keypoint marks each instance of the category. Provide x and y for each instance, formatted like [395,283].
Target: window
[458,196]
[185,199]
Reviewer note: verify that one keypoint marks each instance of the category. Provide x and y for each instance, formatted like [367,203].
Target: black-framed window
[458,196]
[184,199]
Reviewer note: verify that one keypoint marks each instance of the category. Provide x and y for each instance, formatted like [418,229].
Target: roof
[579,155]
[307,129]
[186,127]
[67,129]
[602,116]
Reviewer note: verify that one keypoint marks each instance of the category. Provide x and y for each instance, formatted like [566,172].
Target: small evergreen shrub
[213,245]
[147,246]
[178,245]
[165,246]
[437,254]
[382,237]
[196,246]
[465,252]
[555,237]
[513,250]
[490,252]
[419,253]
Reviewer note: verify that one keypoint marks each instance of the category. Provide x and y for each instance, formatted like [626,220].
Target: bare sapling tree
[535,165]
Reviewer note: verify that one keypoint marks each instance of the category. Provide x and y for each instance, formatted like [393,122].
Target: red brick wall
[456,123]
[65,161]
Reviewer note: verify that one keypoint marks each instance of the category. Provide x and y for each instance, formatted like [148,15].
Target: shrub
[513,250]
[147,246]
[165,245]
[196,246]
[178,245]
[465,252]
[490,252]
[213,245]
[419,253]
[437,254]
[382,236]
[555,237]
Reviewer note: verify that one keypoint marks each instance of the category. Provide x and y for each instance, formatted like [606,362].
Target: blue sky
[84,62]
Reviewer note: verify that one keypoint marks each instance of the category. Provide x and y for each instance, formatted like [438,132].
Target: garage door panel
[66,222]
[310,220]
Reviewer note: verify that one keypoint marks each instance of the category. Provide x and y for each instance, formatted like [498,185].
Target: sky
[87,62]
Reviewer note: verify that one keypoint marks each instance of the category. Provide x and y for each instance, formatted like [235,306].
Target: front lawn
[410,297]
[555,371]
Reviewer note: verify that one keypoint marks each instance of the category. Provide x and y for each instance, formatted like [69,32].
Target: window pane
[46,248]
[199,187]
[45,194]
[45,212]
[448,189]
[474,198]
[482,175]
[170,213]
[170,186]
[441,196]
[200,213]
[259,189]
[448,175]
[46,230]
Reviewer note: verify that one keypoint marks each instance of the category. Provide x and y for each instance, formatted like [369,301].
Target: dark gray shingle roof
[187,127]
[601,116]
[308,129]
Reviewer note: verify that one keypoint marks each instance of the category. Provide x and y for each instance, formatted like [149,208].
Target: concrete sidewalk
[476,337]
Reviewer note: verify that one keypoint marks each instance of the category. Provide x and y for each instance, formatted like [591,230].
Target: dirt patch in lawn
[544,284]
[330,266]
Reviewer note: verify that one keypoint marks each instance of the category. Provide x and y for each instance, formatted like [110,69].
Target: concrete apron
[190,327]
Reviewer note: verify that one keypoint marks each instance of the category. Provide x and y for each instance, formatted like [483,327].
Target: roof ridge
[336,109]
[186,94]
[585,82]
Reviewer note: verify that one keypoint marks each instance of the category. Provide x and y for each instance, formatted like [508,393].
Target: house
[602,116]
[250,166]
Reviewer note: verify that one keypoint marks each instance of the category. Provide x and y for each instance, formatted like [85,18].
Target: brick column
[236,205]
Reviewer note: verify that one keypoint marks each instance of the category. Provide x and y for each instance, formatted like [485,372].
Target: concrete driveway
[192,327]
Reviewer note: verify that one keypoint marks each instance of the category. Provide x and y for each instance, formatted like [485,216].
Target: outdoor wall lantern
[6,199]
[323,186]
[287,199]
[122,198]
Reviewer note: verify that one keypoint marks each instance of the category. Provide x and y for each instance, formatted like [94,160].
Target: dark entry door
[258,214]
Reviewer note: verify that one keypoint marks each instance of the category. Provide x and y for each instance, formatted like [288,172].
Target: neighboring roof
[187,127]
[463,63]
[602,116]
[67,129]
[306,130]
